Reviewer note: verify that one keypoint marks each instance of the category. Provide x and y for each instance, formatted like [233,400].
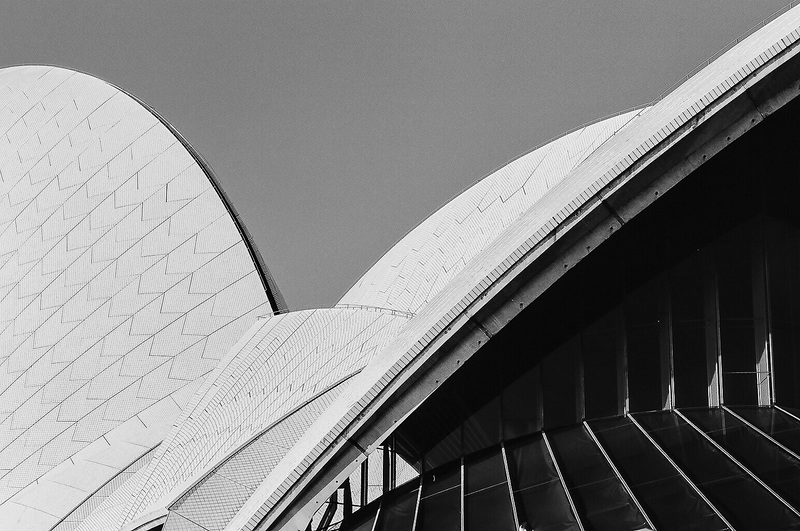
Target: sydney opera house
[603,334]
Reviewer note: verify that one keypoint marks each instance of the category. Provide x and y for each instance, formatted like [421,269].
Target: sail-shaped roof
[124,276]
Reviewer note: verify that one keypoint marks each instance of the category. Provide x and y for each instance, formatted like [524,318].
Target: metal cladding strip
[286,360]
[429,256]
[123,278]
[357,404]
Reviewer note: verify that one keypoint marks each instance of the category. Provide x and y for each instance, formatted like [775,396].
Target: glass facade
[655,385]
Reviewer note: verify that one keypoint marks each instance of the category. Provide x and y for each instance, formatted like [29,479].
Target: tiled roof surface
[123,279]
[533,229]
[271,384]
[427,258]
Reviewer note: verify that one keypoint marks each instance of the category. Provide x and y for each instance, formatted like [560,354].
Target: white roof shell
[429,256]
[124,277]
[266,391]
[326,450]
[452,289]
[414,270]
[467,224]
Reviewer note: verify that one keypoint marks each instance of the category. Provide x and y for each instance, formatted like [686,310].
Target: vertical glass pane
[643,317]
[560,386]
[482,428]
[772,465]
[687,304]
[740,499]
[734,261]
[440,505]
[783,264]
[521,406]
[599,496]
[670,502]
[539,494]
[600,346]
[397,510]
[487,502]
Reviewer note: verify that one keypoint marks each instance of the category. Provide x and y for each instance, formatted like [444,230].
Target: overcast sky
[335,127]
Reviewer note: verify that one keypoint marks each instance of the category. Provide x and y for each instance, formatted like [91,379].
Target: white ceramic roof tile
[80,512]
[101,210]
[415,269]
[285,361]
[212,501]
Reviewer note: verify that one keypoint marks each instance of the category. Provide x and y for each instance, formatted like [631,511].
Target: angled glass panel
[487,501]
[667,498]
[782,427]
[601,349]
[521,401]
[397,511]
[363,520]
[539,494]
[599,496]
[774,466]
[740,498]
[440,505]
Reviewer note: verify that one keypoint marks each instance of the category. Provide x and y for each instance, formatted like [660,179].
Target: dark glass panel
[482,428]
[771,464]
[734,263]
[689,358]
[397,510]
[737,343]
[783,264]
[521,405]
[481,389]
[687,304]
[362,520]
[643,316]
[782,427]
[740,498]
[539,494]
[484,471]
[600,498]
[669,501]
[440,505]
[560,386]
[735,276]
[739,388]
[600,345]
[447,449]
[487,501]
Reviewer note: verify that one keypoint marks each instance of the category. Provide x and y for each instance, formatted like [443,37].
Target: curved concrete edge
[734,93]
[274,295]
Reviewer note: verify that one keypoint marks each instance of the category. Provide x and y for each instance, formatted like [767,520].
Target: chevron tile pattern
[123,276]
[274,382]
[427,258]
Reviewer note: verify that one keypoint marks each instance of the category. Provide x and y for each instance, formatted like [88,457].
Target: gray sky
[335,127]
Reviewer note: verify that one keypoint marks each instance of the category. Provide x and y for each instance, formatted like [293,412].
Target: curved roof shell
[660,147]
[462,227]
[124,277]
[414,270]
[263,395]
